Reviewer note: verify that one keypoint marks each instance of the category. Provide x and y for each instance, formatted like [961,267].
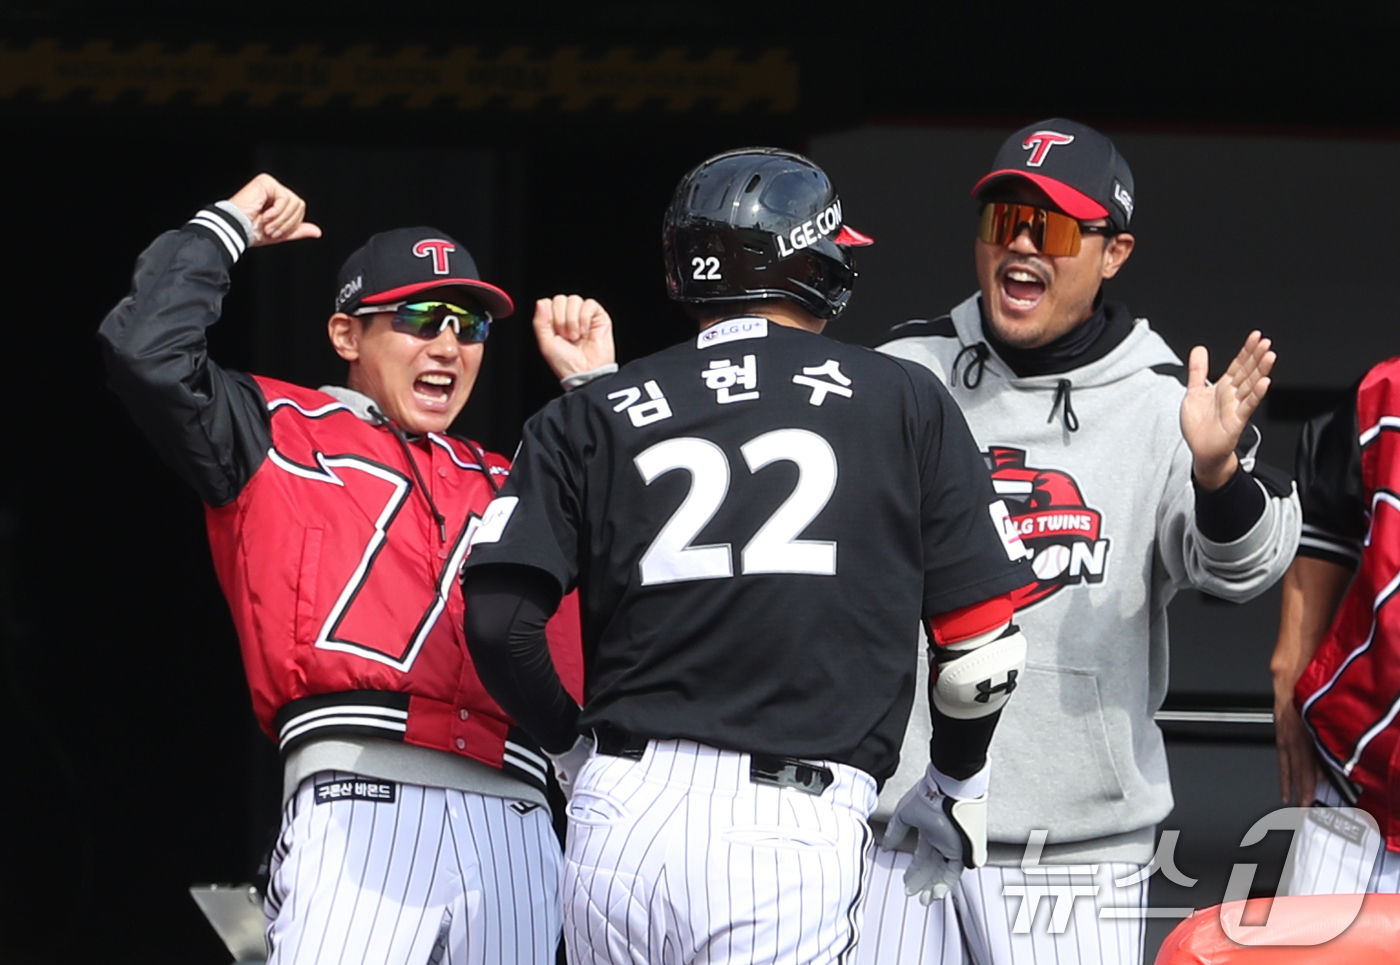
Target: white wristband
[966,789]
[570,382]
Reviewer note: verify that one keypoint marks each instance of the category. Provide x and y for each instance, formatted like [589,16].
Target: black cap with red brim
[1077,167]
[393,266]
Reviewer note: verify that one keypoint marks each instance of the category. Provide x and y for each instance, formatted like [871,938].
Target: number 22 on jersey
[673,557]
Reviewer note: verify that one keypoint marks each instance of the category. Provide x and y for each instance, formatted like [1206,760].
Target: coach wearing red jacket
[338,519]
[1336,665]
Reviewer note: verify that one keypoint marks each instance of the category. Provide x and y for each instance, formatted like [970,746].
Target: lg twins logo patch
[1040,143]
[436,249]
[1047,509]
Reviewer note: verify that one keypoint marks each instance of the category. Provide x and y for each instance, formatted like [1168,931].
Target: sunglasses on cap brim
[1051,232]
[430,319]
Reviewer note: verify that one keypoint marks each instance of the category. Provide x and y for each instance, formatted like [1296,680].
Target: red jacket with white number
[343,589]
[1349,694]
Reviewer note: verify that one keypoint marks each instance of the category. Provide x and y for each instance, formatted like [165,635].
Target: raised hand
[1213,415]
[277,212]
[574,334]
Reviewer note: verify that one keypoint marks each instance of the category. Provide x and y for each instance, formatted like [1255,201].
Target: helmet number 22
[774,548]
[706,269]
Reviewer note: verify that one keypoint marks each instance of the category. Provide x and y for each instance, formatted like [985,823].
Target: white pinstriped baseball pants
[438,877]
[679,857]
[1345,858]
[1005,917]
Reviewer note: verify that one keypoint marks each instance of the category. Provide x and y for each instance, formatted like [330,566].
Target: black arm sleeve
[211,426]
[507,608]
[1224,515]
[959,745]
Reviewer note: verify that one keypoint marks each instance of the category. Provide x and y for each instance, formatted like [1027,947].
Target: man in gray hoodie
[1129,477]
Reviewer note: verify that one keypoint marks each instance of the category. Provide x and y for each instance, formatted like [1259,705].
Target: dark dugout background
[133,765]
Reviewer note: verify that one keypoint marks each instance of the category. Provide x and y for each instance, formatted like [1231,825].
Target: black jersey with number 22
[756,521]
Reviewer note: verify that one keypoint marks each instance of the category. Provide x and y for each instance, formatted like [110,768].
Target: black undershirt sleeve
[959,745]
[507,609]
[1224,515]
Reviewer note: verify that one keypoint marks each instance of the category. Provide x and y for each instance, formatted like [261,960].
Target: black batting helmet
[759,223]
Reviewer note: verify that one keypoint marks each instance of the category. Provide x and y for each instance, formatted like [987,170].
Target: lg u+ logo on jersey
[1062,535]
[436,249]
[826,223]
[1040,143]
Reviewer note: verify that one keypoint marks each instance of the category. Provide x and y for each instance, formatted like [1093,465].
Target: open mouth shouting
[1022,287]
[434,389]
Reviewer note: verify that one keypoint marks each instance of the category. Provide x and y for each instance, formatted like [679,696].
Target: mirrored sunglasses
[430,319]
[1051,232]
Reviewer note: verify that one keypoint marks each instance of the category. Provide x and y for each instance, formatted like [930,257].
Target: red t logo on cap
[1040,143]
[437,249]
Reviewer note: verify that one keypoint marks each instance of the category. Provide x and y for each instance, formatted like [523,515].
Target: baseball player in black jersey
[756,520]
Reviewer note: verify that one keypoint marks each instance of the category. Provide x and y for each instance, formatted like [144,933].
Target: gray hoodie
[1108,511]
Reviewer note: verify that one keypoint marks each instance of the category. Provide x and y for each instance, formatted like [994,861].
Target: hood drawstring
[388,423]
[980,353]
[1062,390]
[972,377]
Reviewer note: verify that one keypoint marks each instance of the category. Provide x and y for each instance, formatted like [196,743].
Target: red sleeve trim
[971,621]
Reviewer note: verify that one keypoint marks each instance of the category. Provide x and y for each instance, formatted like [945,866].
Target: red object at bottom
[1311,929]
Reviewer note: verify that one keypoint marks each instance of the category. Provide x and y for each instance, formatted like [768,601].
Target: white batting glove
[568,764]
[952,833]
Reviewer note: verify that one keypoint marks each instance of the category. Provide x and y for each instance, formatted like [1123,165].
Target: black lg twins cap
[1075,165]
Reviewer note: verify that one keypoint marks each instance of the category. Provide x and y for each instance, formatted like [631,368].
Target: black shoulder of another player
[210,425]
[934,417]
[536,519]
[930,394]
[966,554]
[564,418]
[1328,469]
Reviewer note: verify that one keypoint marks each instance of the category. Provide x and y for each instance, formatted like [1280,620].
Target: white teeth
[433,378]
[1018,275]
